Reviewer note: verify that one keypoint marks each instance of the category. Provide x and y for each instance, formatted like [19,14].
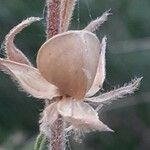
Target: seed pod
[69,61]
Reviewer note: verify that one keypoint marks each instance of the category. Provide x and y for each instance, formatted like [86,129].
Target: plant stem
[53,17]
[38,141]
[57,135]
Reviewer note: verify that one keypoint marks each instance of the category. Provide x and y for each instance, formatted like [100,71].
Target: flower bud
[69,61]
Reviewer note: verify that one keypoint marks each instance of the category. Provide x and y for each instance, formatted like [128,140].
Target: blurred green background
[128,56]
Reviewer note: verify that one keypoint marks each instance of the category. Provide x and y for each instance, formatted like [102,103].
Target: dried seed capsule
[69,61]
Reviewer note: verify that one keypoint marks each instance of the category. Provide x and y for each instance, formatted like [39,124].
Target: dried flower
[70,70]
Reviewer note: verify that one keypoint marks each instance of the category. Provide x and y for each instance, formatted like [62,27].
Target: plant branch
[57,134]
[57,141]
[59,13]
[53,17]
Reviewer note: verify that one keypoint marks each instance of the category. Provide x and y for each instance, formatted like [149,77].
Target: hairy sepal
[29,79]
[81,115]
[101,73]
[115,94]
[67,8]
[12,52]
[95,24]
[49,116]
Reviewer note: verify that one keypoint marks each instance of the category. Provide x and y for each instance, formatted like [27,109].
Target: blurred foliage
[128,53]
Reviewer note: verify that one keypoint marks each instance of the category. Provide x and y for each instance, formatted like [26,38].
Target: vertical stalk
[57,141]
[59,13]
[57,135]
[53,17]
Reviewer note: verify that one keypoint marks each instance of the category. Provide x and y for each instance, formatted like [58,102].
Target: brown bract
[69,61]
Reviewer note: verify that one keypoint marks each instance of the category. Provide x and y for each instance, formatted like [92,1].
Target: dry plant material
[73,52]
[70,71]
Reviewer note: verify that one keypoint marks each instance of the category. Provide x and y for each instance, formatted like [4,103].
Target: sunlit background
[128,56]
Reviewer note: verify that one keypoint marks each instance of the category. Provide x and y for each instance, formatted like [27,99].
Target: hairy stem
[38,141]
[53,17]
[57,135]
